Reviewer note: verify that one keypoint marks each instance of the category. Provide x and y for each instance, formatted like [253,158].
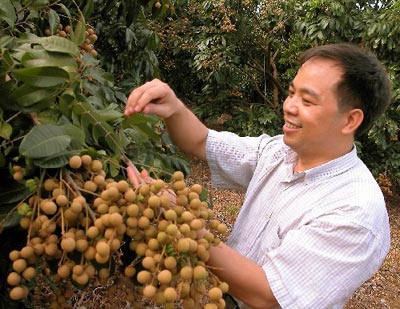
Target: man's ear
[353,121]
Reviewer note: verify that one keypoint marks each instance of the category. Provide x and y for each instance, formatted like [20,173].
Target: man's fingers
[133,178]
[141,96]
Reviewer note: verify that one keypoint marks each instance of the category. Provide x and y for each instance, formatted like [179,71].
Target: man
[313,226]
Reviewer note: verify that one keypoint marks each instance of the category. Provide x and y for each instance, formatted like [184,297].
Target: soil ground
[381,291]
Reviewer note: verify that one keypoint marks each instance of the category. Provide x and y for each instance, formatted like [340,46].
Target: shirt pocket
[270,238]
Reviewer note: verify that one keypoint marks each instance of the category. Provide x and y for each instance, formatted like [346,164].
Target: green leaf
[44,141]
[7,12]
[59,45]
[88,9]
[27,95]
[78,34]
[54,21]
[7,61]
[39,3]
[43,58]
[5,130]
[42,77]
[12,192]
[6,40]
[56,161]
[137,118]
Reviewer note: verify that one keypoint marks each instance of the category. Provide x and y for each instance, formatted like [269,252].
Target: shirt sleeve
[232,159]
[322,263]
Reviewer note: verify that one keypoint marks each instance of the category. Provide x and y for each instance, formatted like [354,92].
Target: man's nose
[290,105]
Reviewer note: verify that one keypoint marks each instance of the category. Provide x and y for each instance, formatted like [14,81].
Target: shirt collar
[327,170]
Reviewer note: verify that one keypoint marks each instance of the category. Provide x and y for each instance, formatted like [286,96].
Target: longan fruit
[76,207]
[144,277]
[164,276]
[18,176]
[224,287]
[200,273]
[39,249]
[19,265]
[215,294]
[170,294]
[57,191]
[68,244]
[17,293]
[179,185]
[178,175]
[64,271]
[90,253]
[186,272]
[148,263]
[153,244]
[29,273]
[25,223]
[90,186]
[48,207]
[26,252]
[78,270]
[183,245]
[222,228]
[196,224]
[170,215]
[141,248]
[116,219]
[157,5]
[143,222]
[62,200]
[99,180]
[196,188]
[75,162]
[103,249]
[148,213]
[96,166]
[170,262]
[182,200]
[130,195]
[210,306]
[93,52]
[86,160]
[149,291]
[92,232]
[187,216]
[144,189]
[50,184]
[13,278]
[172,229]
[154,201]
[81,245]
[82,279]
[129,271]
[122,186]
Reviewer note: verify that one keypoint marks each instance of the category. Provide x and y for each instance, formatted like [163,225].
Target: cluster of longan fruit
[86,46]
[80,218]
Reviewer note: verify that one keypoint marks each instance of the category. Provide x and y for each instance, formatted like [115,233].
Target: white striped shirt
[318,234]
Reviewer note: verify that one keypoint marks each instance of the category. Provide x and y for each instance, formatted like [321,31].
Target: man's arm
[247,280]
[185,129]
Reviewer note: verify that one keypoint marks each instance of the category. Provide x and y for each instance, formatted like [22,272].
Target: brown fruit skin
[75,162]
[17,293]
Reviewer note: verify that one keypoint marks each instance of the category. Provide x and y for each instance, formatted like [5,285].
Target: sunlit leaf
[44,141]
[42,77]
[7,12]
[59,45]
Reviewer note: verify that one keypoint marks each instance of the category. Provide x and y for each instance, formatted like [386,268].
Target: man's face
[313,121]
